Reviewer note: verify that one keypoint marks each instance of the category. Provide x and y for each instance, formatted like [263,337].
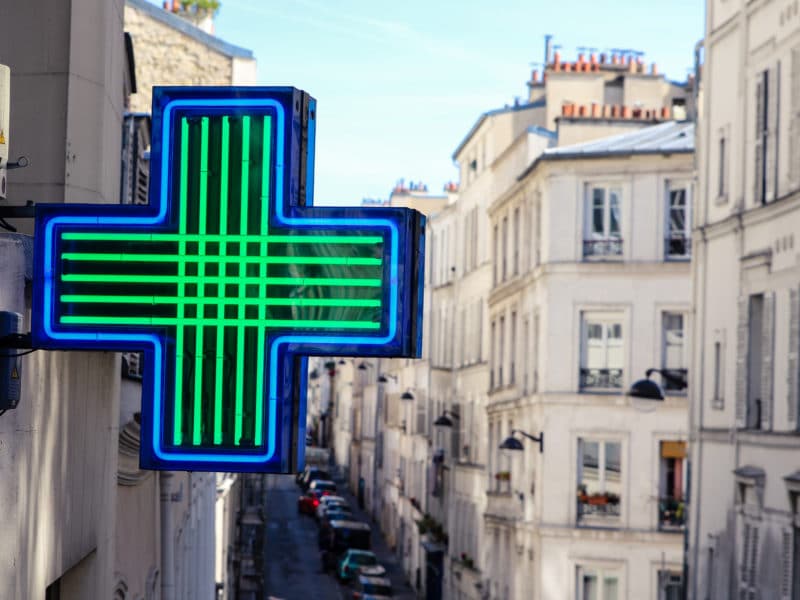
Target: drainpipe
[167,545]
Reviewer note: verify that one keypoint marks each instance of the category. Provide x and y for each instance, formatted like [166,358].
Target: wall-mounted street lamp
[648,389]
[363,366]
[446,419]
[512,443]
[407,395]
[385,377]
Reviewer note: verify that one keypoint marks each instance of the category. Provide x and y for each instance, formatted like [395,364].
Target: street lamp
[446,419]
[648,389]
[384,378]
[512,443]
[363,366]
[407,395]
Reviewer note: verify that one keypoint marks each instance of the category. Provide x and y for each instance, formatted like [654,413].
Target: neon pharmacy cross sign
[228,279]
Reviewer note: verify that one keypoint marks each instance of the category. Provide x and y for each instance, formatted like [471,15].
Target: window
[748,562]
[526,330]
[501,351]
[766,135]
[599,481]
[504,244]
[597,584]
[721,169]
[670,585]
[602,352]
[672,485]
[496,244]
[493,344]
[717,401]
[603,228]
[512,372]
[794,120]
[515,258]
[673,350]
[678,235]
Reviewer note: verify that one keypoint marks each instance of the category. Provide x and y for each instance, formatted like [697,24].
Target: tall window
[766,135]
[599,481]
[501,351]
[678,238]
[496,244]
[602,351]
[493,346]
[671,500]
[512,371]
[673,350]
[721,168]
[603,228]
[670,585]
[515,258]
[504,249]
[598,584]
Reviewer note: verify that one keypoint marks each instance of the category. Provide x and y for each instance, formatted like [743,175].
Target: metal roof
[664,138]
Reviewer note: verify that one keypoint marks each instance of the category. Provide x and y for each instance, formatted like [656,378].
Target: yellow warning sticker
[14,373]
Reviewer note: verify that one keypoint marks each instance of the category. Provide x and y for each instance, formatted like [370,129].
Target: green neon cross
[223,281]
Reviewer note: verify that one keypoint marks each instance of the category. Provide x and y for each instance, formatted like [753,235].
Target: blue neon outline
[275,343]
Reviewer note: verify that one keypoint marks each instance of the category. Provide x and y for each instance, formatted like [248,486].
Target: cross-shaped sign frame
[139,278]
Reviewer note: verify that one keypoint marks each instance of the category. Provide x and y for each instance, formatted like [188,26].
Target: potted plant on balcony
[503,476]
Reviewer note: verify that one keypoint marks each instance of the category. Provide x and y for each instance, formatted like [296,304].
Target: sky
[399,84]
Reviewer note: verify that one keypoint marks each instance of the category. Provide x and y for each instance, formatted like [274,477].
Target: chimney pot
[606,111]
[602,58]
[556,57]
[631,66]
[580,58]
[593,58]
[626,112]
[614,59]
[665,112]
[654,69]
[535,76]
[582,110]
[595,110]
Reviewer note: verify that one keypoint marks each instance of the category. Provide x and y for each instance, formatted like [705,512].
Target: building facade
[744,536]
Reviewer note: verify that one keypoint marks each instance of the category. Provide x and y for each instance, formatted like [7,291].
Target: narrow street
[292,567]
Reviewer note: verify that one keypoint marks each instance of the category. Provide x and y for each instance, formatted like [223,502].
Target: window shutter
[745,553]
[752,571]
[741,364]
[768,360]
[794,122]
[773,95]
[759,148]
[786,564]
[794,351]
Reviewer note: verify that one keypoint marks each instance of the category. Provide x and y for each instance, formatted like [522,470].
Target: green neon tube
[245,180]
[177,432]
[203,259]
[244,322]
[85,236]
[198,338]
[242,281]
[223,228]
[221,302]
[262,273]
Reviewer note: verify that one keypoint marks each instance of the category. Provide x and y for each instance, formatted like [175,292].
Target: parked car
[328,502]
[339,537]
[371,588]
[312,473]
[322,485]
[307,503]
[352,561]
[372,571]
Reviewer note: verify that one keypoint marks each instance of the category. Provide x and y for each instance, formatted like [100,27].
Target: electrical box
[10,362]
[5,109]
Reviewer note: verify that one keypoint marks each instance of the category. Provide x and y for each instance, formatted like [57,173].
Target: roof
[670,137]
[491,113]
[187,28]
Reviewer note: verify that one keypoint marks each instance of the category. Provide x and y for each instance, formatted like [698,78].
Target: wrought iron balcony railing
[601,379]
[605,505]
[678,245]
[671,514]
[599,248]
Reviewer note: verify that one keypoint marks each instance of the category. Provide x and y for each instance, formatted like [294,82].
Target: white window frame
[593,239]
[686,233]
[604,318]
[601,572]
[612,521]
[665,384]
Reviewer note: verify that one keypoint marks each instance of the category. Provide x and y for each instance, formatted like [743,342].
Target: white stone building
[591,288]
[744,536]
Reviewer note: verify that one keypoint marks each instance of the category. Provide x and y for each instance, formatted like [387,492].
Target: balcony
[671,514]
[602,248]
[673,385]
[504,505]
[600,379]
[598,509]
[678,246]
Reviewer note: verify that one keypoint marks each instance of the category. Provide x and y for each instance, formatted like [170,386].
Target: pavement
[292,568]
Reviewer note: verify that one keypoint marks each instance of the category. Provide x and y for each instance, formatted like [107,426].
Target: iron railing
[678,245]
[600,379]
[671,514]
[602,247]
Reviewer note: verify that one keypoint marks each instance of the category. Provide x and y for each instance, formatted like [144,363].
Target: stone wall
[166,56]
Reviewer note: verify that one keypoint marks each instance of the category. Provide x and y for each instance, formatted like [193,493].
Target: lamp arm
[533,438]
[673,379]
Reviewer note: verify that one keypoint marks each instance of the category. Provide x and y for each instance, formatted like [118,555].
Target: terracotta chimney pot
[582,110]
[535,76]
[654,69]
[593,58]
[606,111]
[665,112]
[595,110]
[636,113]
[568,110]
[626,112]
[614,59]
[602,58]
[556,57]
[580,58]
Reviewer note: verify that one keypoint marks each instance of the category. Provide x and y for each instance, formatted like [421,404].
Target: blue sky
[399,84]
